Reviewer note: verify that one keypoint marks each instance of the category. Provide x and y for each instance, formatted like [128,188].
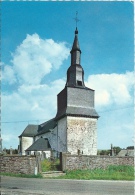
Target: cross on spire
[76,19]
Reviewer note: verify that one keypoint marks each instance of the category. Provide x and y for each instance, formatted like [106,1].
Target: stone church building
[74,128]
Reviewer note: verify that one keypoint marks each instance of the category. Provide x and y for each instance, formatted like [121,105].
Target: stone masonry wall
[18,164]
[82,135]
[74,162]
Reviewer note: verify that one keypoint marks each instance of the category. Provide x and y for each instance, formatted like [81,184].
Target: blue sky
[36,42]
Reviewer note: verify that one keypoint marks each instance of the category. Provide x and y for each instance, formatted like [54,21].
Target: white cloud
[32,102]
[34,58]
[112,88]
[9,137]
[39,103]
[113,95]
[8,74]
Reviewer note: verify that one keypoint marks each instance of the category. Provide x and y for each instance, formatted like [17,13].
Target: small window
[78,151]
[79,83]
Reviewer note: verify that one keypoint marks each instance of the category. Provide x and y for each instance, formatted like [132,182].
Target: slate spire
[75,52]
[75,73]
[76,99]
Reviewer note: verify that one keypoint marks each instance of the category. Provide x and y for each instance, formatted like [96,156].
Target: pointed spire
[75,52]
[75,73]
[76,42]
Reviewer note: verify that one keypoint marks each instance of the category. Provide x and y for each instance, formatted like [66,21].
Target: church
[74,128]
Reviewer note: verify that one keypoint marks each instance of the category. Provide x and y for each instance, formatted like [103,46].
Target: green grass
[47,165]
[121,172]
[22,175]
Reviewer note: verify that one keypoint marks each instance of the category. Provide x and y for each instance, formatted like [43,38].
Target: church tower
[76,116]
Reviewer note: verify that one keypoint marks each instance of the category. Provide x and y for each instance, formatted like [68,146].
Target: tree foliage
[116,150]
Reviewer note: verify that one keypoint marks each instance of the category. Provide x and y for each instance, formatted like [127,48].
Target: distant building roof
[45,127]
[30,131]
[42,144]
[126,152]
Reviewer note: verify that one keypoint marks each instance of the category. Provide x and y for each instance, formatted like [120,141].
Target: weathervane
[76,19]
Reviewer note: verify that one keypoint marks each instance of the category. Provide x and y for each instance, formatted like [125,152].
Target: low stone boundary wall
[74,162]
[18,164]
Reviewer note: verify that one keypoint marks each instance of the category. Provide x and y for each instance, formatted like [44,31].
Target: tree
[116,149]
[103,152]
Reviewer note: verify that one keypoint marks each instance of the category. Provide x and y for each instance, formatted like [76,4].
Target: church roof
[42,144]
[77,111]
[82,111]
[30,131]
[45,127]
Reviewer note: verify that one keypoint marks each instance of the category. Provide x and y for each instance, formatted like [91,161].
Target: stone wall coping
[95,156]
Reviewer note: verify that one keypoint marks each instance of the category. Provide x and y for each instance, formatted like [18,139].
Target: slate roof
[30,131]
[78,111]
[45,127]
[126,152]
[82,111]
[42,144]
[76,42]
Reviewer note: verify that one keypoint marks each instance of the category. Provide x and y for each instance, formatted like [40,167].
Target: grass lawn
[22,175]
[121,172]
[113,172]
